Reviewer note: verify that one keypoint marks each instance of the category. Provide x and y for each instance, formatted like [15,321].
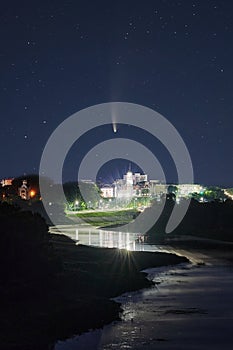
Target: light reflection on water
[101,339]
[137,330]
[108,239]
[101,238]
[190,308]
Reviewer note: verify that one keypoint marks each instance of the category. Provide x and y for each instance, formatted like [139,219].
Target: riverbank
[190,308]
[35,316]
[207,249]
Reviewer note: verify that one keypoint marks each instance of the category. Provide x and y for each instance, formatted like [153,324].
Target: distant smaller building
[157,189]
[6,182]
[107,192]
[185,190]
[24,191]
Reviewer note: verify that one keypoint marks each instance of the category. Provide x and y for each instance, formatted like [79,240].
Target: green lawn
[115,213]
[108,218]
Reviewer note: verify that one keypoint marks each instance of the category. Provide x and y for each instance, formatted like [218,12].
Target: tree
[25,249]
[76,193]
[172,189]
[214,193]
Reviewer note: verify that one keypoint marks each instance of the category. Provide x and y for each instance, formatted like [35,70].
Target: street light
[32,193]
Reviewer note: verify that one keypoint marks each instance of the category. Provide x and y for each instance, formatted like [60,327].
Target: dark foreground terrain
[36,313]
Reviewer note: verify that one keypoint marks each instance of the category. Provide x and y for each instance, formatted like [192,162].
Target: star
[122,54]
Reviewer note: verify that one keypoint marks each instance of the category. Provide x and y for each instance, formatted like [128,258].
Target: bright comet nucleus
[114,126]
[114,121]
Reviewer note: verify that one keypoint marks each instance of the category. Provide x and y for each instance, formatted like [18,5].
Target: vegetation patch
[108,218]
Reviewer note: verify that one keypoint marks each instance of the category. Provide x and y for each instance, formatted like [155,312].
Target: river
[190,307]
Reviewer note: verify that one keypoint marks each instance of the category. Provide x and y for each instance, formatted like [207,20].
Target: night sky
[58,57]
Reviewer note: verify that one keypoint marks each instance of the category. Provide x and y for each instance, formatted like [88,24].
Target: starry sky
[58,57]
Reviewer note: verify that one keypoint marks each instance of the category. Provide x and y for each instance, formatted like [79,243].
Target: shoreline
[80,297]
[214,251]
[184,310]
[183,249]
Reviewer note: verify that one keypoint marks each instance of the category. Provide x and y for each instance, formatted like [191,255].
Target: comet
[114,127]
[114,121]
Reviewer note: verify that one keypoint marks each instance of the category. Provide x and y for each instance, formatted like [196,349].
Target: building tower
[24,191]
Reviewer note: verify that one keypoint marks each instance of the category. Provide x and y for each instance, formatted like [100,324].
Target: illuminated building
[131,185]
[135,178]
[107,192]
[157,189]
[6,182]
[138,185]
[24,191]
[185,190]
